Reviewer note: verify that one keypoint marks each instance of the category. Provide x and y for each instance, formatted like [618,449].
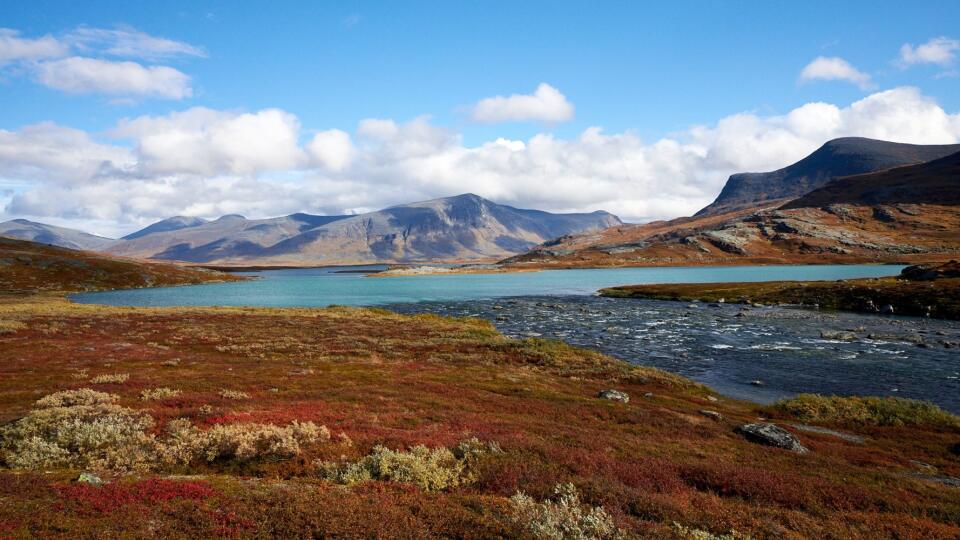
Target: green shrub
[102,436]
[85,429]
[563,518]
[877,411]
[429,469]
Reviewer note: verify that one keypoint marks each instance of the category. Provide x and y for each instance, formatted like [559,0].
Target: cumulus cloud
[13,47]
[208,142]
[206,162]
[79,75]
[331,149]
[941,51]
[546,104]
[833,68]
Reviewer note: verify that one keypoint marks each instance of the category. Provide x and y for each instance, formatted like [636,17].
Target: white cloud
[129,43]
[833,68]
[208,142]
[207,162]
[941,51]
[55,154]
[546,104]
[15,48]
[331,149]
[79,75]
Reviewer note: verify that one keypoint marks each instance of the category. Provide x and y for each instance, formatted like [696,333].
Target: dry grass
[872,411]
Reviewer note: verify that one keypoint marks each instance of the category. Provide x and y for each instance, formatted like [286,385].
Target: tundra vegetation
[365,423]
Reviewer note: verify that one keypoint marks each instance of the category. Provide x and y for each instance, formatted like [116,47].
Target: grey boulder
[771,435]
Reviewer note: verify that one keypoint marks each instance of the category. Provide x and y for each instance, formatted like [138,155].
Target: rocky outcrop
[614,395]
[771,435]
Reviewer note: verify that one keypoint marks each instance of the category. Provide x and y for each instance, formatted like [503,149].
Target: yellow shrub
[564,517]
[153,394]
[242,442]
[430,469]
[115,378]
[70,398]
[102,436]
[234,394]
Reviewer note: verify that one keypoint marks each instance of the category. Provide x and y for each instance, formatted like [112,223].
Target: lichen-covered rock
[713,415]
[615,395]
[771,435]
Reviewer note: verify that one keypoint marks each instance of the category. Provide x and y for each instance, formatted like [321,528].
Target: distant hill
[461,228]
[839,157]
[27,267]
[51,234]
[935,182]
[170,224]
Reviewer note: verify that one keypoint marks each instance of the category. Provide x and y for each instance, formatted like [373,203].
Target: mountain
[50,234]
[170,224]
[936,182]
[839,157]
[462,228]
[909,213]
[228,237]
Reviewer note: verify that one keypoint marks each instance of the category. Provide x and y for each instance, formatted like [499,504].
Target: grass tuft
[875,411]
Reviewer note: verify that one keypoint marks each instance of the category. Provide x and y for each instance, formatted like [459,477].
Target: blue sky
[651,70]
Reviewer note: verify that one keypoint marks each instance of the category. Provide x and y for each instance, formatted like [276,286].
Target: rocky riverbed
[755,353]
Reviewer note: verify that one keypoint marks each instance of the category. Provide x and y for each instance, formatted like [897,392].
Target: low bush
[563,518]
[116,378]
[102,436]
[691,533]
[429,469]
[242,442]
[234,394]
[85,429]
[876,411]
[154,394]
[71,398]
[9,327]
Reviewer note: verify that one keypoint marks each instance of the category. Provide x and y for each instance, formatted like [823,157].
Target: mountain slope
[170,224]
[935,182]
[227,237]
[32,267]
[839,157]
[909,213]
[23,229]
[465,227]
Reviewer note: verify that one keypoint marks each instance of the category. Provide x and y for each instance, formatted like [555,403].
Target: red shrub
[91,499]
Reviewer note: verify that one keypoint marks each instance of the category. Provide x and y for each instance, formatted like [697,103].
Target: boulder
[615,395]
[771,435]
[713,415]
[89,478]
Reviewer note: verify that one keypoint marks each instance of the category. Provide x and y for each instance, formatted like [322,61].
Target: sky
[114,115]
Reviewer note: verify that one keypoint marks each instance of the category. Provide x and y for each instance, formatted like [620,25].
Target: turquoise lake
[325,286]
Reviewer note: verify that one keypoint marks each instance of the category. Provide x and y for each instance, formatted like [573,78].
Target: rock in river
[771,435]
[615,395]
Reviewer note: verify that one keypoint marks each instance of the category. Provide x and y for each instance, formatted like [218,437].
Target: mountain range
[903,213]
[461,228]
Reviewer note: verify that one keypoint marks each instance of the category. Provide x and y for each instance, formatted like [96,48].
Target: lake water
[325,286]
[728,347]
